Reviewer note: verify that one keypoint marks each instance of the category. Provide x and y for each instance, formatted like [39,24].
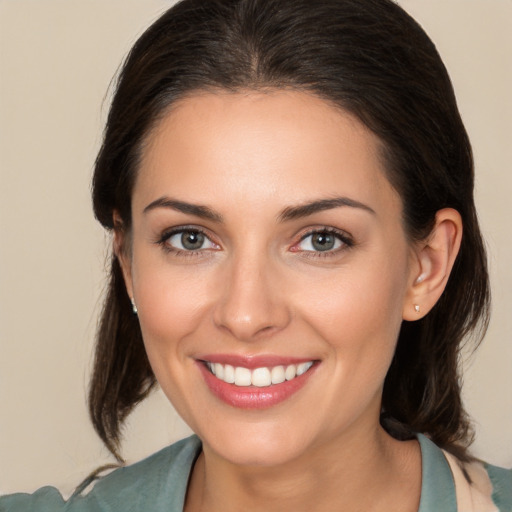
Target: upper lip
[254,361]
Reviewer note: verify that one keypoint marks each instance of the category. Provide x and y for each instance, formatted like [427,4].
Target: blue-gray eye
[320,242]
[190,241]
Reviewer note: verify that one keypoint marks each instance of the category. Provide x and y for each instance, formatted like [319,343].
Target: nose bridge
[251,302]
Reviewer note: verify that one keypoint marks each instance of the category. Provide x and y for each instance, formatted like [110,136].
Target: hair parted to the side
[369,58]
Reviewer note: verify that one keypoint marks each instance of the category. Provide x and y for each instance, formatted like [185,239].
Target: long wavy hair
[370,58]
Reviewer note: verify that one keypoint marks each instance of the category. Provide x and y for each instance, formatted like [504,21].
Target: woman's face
[268,242]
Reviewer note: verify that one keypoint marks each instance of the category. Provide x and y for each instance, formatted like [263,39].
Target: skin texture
[258,287]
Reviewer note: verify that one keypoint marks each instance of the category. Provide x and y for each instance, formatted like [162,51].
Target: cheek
[358,321]
[174,317]
[349,300]
[358,311]
[172,309]
[171,301]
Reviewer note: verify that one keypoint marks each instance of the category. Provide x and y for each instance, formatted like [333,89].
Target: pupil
[323,241]
[192,240]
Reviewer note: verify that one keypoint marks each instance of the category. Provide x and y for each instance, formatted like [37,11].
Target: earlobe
[435,258]
[120,243]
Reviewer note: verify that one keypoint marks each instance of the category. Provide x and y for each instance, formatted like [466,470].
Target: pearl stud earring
[419,279]
[416,308]
[134,307]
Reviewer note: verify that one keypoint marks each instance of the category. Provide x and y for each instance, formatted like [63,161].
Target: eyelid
[346,239]
[168,233]
[178,236]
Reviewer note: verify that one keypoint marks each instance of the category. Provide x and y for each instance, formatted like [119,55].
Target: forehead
[261,148]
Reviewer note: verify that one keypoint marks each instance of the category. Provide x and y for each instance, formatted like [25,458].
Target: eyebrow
[289,213]
[304,210]
[204,212]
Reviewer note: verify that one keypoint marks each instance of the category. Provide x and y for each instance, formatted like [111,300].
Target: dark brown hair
[371,59]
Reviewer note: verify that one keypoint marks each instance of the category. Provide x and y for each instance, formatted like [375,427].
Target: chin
[262,451]
[260,443]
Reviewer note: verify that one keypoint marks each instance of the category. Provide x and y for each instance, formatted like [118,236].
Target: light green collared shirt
[159,484]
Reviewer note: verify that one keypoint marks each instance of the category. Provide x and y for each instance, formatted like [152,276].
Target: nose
[252,300]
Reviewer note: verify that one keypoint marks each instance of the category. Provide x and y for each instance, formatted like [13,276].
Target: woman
[296,262]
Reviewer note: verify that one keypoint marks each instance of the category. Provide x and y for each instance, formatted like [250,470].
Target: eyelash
[343,237]
[164,239]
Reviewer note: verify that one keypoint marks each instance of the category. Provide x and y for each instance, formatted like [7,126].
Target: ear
[433,262]
[121,250]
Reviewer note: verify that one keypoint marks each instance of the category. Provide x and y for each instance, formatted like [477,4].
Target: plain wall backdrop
[57,58]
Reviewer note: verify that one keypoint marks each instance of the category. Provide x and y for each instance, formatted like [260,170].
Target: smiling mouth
[259,377]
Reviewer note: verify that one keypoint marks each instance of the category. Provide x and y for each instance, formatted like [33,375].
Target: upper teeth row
[260,377]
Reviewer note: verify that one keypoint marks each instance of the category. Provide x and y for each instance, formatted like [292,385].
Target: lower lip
[253,397]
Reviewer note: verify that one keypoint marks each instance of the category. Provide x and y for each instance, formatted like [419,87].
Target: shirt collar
[437,485]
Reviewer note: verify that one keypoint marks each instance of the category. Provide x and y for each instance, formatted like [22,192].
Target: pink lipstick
[257,382]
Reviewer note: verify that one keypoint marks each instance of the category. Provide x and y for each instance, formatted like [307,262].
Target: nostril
[266,329]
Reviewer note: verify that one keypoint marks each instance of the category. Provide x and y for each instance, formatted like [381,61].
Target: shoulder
[156,483]
[161,470]
[501,480]
[449,484]
[481,487]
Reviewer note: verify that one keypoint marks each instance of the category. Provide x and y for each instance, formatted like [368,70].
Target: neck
[357,471]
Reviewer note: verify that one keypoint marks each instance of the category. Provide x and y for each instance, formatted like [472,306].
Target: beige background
[56,61]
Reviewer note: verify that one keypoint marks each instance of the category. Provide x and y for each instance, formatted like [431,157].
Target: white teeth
[277,375]
[242,376]
[219,371]
[303,367]
[259,377]
[290,372]
[229,374]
